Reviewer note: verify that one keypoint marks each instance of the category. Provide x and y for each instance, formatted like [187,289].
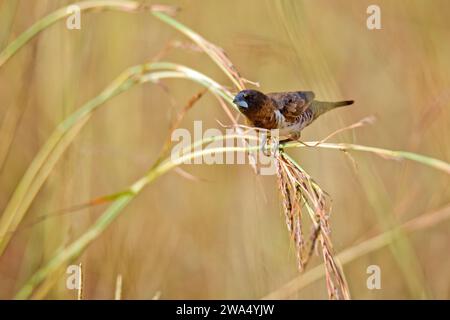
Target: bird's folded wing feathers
[292,104]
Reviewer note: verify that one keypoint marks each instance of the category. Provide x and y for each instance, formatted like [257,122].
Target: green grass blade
[384,153]
[64,134]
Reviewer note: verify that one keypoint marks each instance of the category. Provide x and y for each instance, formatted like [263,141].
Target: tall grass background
[223,235]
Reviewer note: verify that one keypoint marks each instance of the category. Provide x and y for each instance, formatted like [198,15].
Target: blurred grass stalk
[346,256]
[47,21]
[402,249]
[384,153]
[64,134]
[6,20]
[51,151]
[49,154]
[297,22]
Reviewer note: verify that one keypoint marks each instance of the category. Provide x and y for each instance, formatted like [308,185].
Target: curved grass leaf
[51,151]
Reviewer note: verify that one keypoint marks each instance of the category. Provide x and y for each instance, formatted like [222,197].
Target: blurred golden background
[224,236]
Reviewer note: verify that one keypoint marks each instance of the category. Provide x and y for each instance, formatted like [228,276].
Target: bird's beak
[240,103]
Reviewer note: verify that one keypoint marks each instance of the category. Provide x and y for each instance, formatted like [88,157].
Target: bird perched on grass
[290,112]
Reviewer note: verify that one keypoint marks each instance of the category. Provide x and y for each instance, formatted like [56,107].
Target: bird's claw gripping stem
[269,145]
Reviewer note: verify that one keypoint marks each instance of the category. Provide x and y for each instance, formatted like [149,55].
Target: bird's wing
[292,104]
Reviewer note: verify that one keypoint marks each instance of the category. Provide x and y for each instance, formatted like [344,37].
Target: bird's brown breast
[264,116]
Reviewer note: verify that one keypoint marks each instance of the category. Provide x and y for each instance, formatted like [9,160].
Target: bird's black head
[249,101]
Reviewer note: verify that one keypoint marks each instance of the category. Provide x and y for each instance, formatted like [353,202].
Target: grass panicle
[299,191]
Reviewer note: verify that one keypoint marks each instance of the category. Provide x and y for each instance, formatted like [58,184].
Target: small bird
[290,112]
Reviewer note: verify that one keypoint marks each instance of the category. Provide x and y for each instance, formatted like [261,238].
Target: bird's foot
[292,137]
[270,145]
